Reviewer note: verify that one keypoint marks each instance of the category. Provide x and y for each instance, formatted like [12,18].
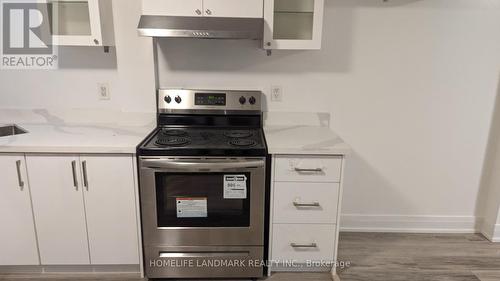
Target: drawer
[308,168]
[305,202]
[303,242]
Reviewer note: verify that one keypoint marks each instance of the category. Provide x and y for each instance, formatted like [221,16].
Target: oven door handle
[203,165]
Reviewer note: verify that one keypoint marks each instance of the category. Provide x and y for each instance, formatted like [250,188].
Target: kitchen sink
[11,130]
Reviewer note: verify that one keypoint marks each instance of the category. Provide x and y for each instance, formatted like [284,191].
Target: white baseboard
[81,269]
[409,224]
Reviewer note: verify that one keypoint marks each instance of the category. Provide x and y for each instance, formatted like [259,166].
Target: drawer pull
[304,170]
[312,204]
[297,245]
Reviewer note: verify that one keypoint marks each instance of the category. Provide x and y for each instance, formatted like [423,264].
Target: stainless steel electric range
[203,186]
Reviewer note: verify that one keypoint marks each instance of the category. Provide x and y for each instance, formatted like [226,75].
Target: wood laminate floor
[419,257]
[377,257]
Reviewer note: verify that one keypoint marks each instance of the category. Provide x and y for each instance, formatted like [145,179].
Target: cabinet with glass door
[80,22]
[293,24]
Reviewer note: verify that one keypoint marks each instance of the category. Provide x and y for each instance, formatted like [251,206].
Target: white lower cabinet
[306,193]
[303,242]
[58,208]
[17,237]
[299,202]
[84,208]
[109,203]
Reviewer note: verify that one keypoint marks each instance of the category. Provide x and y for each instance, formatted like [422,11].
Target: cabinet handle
[312,204]
[297,245]
[85,178]
[198,11]
[75,181]
[19,176]
[208,12]
[315,170]
[96,41]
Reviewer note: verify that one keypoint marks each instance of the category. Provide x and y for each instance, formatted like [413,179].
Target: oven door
[202,202]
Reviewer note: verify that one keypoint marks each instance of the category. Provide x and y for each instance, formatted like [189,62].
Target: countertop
[104,131]
[75,132]
[303,139]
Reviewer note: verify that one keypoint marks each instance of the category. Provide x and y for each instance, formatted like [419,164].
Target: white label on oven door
[235,187]
[191,207]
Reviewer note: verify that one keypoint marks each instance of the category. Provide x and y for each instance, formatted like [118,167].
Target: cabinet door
[75,23]
[17,237]
[58,208]
[293,24]
[233,8]
[110,208]
[189,8]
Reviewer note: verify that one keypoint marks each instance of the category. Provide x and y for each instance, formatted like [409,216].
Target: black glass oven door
[203,199]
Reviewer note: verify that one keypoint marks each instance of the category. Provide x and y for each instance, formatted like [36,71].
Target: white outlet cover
[103,91]
[276,93]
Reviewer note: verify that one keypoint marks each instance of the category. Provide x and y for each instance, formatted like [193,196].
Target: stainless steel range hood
[201,27]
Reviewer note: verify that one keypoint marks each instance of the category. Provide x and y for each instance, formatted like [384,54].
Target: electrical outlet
[276,93]
[103,91]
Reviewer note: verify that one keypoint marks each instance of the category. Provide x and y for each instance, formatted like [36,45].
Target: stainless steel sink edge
[11,130]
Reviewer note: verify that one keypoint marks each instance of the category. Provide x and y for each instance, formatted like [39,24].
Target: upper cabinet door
[293,24]
[81,23]
[233,8]
[17,238]
[58,207]
[188,8]
[109,192]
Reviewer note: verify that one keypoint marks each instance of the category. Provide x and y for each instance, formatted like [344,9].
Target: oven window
[203,199]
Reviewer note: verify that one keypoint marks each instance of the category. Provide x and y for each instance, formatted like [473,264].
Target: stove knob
[168,99]
[243,100]
[178,99]
[252,100]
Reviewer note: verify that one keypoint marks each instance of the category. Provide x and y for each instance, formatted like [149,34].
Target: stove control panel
[201,101]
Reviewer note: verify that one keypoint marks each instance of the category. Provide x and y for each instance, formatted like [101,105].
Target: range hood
[201,27]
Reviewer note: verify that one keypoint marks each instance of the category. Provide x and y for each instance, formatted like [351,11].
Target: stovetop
[203,141]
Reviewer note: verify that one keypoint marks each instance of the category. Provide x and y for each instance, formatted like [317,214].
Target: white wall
[410,85]
[128,70]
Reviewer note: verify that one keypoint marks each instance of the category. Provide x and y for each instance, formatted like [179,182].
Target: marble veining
[300,139]
[75,131]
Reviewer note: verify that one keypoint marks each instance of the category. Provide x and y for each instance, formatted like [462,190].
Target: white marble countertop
[75,132]
[304,139]
[103,131]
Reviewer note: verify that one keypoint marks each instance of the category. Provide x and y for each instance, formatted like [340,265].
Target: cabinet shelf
[293,24]
[293,12]
[81,22]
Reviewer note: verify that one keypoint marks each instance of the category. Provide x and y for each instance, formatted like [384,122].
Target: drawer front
[308,168]
[305,202]
[303,242]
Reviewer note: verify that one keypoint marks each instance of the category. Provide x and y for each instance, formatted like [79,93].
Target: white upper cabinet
[188,8]
[17,237]
[293,24]
[81,22]
[233,8]
[108,183]
[207,8]
[58,207]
